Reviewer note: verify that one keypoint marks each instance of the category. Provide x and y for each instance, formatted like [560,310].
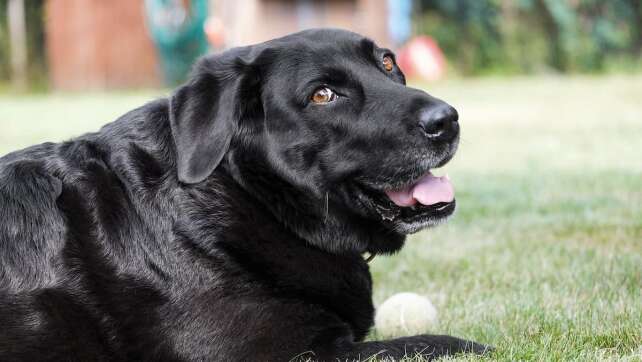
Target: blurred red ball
[421,58]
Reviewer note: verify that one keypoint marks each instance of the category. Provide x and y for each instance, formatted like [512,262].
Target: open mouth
[423,202]
[428,190]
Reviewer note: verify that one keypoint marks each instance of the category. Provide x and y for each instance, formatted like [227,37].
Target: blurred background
[94,44]
[543,258]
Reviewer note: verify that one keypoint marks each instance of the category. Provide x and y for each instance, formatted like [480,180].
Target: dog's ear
[204,113]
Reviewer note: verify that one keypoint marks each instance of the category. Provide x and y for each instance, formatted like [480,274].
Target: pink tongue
[428,190]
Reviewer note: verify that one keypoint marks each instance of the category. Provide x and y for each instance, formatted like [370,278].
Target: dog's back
[75,283]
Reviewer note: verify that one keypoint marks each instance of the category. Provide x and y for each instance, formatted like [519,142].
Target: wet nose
[439,122]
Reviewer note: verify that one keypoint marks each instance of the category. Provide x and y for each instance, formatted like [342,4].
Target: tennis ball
[405,314]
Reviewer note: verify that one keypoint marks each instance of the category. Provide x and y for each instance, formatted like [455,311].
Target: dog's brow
[387,51]
[367,48]
[330,76]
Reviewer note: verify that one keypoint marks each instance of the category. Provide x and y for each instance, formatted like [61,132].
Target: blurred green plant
[4,43]
[37,66]
[526,36]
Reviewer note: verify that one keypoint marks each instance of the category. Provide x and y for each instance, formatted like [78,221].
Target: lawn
[543,258]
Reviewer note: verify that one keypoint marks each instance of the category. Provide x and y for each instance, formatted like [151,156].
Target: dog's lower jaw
[407,227]
[340,235]
[338,232]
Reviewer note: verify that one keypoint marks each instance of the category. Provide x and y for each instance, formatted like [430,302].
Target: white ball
[405,314]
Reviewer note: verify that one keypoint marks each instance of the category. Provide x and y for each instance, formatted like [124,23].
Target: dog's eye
[388,63]
[323,95]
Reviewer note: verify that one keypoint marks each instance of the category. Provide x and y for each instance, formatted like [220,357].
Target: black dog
[228,222]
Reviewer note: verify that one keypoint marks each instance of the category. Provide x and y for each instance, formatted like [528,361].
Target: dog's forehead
[325,43]
[319,54]
[327,36]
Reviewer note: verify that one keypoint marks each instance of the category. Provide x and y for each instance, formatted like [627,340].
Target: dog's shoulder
[30,226]
[27,185]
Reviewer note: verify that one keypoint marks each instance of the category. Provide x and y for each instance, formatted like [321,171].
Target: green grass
[543,258]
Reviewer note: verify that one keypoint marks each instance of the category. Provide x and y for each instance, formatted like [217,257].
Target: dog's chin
[426,217]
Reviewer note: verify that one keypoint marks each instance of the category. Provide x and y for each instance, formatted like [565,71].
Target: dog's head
[320,127]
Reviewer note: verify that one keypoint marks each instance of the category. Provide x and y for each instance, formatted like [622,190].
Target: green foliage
[524,36]
[4,42]
[467,30]
[37,67]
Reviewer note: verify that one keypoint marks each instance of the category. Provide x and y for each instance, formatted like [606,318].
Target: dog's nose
[440,122]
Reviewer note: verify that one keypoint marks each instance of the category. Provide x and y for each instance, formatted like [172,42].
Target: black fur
[225,223]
